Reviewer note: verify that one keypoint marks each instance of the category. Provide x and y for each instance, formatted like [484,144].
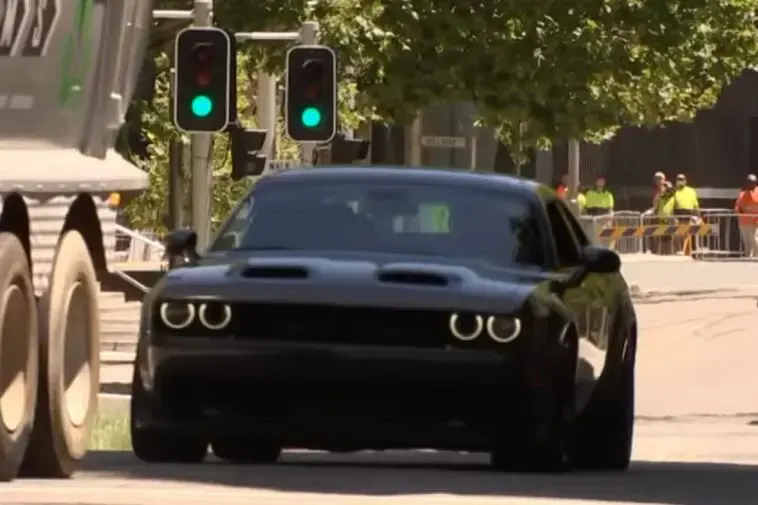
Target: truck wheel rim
[14,358]
[77,350]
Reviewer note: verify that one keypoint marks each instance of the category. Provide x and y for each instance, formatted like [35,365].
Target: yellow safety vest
[581,201]
[434,219]
[686,198]
[595,199]
[665,207]
[441,219]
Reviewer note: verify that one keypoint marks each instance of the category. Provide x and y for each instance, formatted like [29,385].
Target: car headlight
[503,329]
[466,327]
[215,316]
[177,315]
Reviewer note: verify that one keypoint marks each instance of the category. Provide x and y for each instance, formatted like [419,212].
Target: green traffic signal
[311,117]
[201,106]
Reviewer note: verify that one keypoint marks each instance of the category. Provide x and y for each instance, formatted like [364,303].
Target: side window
[576,228]
[230,236]
[565,244]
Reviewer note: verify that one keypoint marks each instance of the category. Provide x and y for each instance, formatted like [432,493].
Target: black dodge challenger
[357,308]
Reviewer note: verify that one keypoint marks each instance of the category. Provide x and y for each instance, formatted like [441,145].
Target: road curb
[641,295]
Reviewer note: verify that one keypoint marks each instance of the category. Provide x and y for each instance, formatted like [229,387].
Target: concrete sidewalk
[666,274]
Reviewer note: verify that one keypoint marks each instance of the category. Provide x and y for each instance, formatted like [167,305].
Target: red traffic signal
[203,58]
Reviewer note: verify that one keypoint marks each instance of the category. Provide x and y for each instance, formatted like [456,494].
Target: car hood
[357,279]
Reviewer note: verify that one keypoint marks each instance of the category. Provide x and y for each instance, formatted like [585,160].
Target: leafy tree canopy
[551,69]
[569,69]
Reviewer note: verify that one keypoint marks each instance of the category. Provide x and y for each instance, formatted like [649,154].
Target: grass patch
[111,431]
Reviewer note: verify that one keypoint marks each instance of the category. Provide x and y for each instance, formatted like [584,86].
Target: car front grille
[347,325]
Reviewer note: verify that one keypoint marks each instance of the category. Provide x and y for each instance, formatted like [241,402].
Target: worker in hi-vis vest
[686,210]
[599,199]
[686,202]
[746,208]
[599,203]
[664,211]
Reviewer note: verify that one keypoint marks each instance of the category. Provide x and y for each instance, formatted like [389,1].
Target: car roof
[402,174]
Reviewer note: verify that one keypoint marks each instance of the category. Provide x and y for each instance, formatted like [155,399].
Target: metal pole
[473,164]
[308,36]
[573,167]
[413,142]
[175,190]
[519,147]
[266,111]
[201,155]
[349,132]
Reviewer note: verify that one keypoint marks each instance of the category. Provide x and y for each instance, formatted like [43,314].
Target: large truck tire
[69,364]
[19,355]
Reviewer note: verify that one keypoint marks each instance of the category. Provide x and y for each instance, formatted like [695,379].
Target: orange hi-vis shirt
[747,207]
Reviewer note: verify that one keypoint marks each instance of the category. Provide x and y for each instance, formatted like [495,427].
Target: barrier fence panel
[617,231]
[711,234]
[727,242]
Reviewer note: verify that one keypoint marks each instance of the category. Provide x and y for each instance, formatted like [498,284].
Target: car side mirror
[600,260]
[181,247]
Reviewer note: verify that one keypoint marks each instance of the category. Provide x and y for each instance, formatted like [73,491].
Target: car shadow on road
[393,474]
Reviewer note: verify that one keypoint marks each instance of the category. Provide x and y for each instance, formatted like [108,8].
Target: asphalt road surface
[697,443]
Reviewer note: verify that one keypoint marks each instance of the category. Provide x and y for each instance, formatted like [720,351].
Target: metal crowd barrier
[616,230]
[713,234]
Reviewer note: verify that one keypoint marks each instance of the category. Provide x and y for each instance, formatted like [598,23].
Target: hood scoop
[275,272]
[415,278]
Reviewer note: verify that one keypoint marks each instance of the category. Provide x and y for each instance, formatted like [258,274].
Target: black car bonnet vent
[418,278]
[275,272]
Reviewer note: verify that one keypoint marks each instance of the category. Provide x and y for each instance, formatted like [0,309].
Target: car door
[590,301]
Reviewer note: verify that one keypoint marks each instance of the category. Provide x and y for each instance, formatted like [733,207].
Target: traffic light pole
[308,35]
[202,173]
[201,145]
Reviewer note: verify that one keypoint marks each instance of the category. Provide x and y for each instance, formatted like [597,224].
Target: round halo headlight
[503,329]
[215,316]
[466,327]
[177,315]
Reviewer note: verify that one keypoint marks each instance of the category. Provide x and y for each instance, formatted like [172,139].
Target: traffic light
[311,97]
[204,80]
[346,150]
[245,144]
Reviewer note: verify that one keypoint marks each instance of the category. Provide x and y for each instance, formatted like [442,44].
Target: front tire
[69,363]
[547,449]
[19,355]
[606,428]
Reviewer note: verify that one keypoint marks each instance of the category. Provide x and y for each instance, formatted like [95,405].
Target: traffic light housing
[245,144]
[311,96]
[346,150]
[204,80]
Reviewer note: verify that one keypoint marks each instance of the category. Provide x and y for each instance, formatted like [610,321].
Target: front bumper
[327,396]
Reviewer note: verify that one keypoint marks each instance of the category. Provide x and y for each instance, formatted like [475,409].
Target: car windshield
[433,220]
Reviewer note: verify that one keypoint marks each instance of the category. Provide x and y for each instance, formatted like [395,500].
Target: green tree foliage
[576,68]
